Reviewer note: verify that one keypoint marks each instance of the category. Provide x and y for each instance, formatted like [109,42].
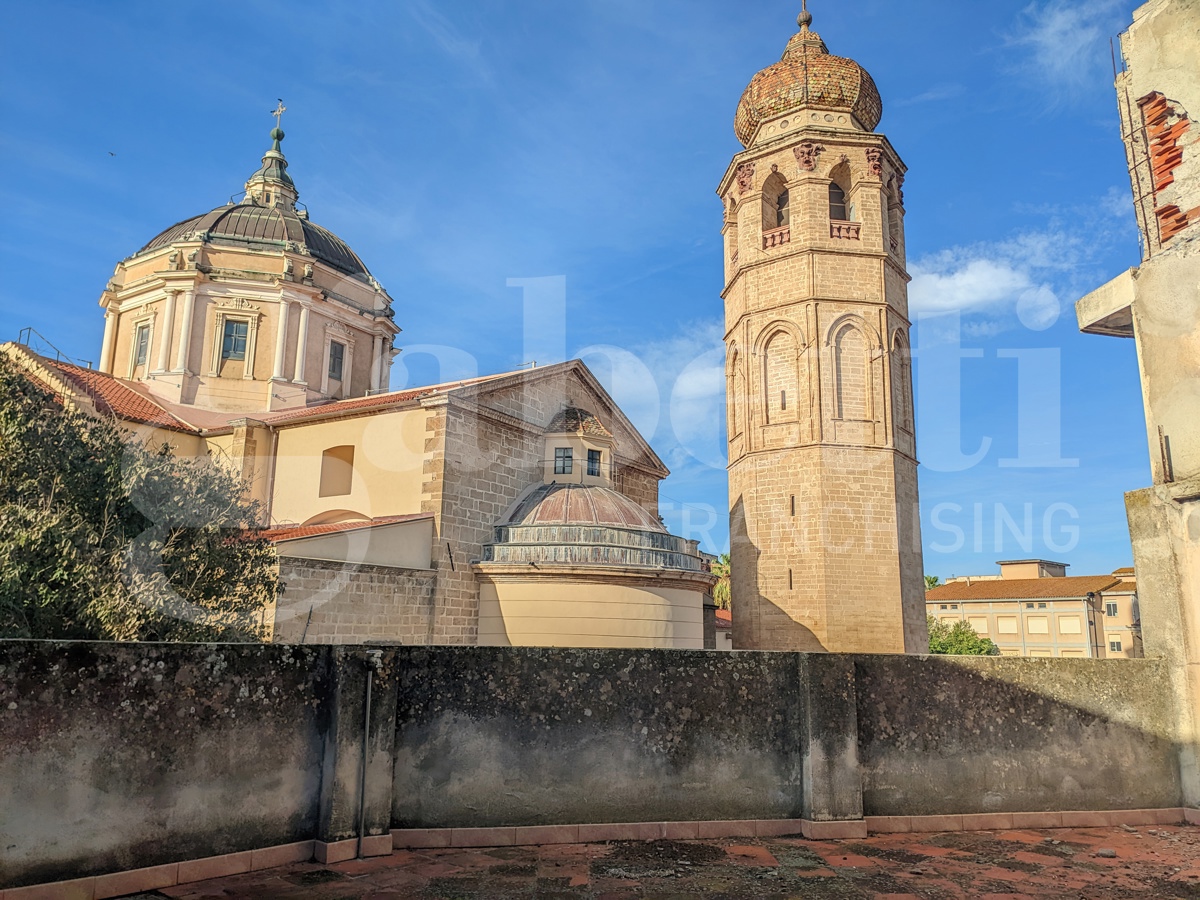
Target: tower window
[562,460]
[789,579]
[837,202]
[593,462]
[783,400]
[337,358]
[783,214]
[141,345]
[233,343]
[793,504]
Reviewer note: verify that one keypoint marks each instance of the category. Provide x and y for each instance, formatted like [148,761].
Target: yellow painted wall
[586,614]
[388,455]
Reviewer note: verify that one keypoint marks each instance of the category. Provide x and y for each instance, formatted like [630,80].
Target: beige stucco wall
[577,613]
[404,545]
[389,453]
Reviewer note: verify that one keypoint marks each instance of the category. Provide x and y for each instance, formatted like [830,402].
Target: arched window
[850,368]
[837,202]
[779,378]
[902,375]
[776,211]
[841,209]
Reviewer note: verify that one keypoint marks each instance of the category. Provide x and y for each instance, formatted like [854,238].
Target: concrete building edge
[117,884]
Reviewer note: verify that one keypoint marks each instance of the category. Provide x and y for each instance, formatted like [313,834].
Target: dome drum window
[562,460]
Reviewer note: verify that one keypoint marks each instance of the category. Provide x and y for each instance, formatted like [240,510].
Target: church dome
[586,525]
[266,219]
[264,227]
[580,504]
[807,77]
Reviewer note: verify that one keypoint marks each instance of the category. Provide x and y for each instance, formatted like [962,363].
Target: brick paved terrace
[1154,862]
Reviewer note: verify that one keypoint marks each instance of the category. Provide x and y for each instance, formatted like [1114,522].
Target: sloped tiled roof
[1022,588]
[375,401]
[1125,586]
[724,619]
[1124,570]
[577,421]
[123,399]
[294,532]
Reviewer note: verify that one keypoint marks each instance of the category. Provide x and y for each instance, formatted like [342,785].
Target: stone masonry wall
[352,603]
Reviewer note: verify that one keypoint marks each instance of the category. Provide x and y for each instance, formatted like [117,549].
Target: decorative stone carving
[745,176]
[237,303]
[192,257]
[288,268]
[807,153]
[173,260]
[308,273]
[875,161]
[900,188]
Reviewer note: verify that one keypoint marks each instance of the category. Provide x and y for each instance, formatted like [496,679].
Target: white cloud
[1067,41]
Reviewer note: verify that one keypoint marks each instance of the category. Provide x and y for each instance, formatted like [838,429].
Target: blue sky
[459,146]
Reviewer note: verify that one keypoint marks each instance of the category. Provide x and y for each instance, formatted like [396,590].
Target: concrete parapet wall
[966,735]
[123,756]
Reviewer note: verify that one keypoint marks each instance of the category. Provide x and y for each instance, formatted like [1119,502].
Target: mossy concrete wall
[519,736]
[118,756]
[124,755]
[944,735]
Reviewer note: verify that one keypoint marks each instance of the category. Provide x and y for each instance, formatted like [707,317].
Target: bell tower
[824,528]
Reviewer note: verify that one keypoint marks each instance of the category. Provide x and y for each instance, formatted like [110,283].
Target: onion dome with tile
[580,524]
[808,77]
[267,219]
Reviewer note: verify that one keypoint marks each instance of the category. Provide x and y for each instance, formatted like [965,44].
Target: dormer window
[562,460]
[593,462]
[337,357]
[233,343]
[141,345]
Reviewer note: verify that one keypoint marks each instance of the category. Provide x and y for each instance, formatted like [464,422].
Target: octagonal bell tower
[825,534]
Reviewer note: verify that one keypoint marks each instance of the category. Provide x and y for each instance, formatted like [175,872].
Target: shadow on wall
[764,622]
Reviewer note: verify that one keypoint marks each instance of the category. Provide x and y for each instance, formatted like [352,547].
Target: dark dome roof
[266,227]
[580,504]
[573,420]
[807,76]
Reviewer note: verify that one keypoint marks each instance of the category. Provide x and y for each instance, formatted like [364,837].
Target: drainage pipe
[374,662]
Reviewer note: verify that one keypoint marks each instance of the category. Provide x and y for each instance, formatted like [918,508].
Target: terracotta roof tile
[376,401]
[114,396]
[724,618]
[293,532]
[1022,588]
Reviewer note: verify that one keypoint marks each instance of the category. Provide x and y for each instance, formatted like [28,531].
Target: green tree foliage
[959,639]
[932,581]
[721,592]
[104,538]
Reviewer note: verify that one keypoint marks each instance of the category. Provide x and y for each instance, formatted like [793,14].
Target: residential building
[1033,608]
